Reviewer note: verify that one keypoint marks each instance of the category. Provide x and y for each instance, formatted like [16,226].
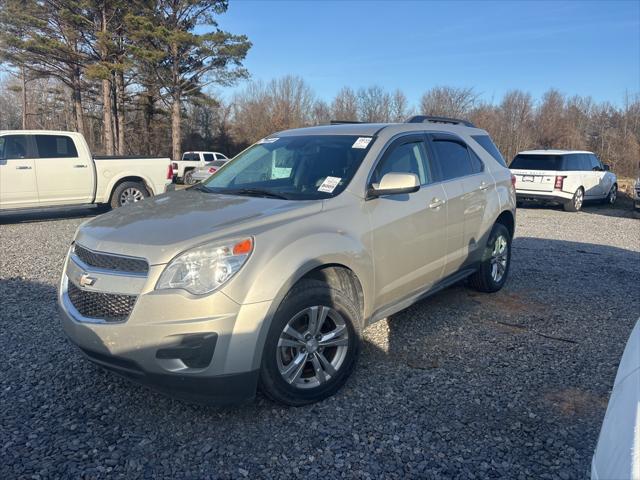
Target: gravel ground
[462,385]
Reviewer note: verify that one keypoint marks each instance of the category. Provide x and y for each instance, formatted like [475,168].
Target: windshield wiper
[256,192]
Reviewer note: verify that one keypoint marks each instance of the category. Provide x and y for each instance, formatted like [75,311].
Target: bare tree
[448,101]
[374,104]
[345,105]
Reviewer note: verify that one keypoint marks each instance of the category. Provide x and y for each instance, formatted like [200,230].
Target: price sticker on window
[329,184]
[362,142]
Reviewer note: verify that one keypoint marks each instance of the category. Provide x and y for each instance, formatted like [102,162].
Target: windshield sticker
[362,142]
[269,140]
[329,184]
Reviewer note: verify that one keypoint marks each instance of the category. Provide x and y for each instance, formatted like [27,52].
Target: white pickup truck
[40,168]
[184,168]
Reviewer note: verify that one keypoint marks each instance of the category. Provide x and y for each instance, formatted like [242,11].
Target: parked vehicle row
[568,177]
[202,173]
[40,168]
[266,273]
[184,168]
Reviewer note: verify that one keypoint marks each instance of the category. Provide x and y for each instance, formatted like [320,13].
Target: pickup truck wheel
[575,204]
[312,345]
[188,178]
[128,192]
[496,259]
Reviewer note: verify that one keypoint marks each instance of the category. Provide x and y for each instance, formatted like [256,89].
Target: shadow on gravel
[44,215]
[622,209]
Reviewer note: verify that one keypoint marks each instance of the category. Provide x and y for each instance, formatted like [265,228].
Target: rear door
[63,175]
[18,186]
[408,231]
[466,184]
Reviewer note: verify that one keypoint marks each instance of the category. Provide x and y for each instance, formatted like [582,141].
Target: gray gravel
[462,385]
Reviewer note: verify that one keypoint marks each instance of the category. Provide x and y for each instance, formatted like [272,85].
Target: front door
[18,187]
[408,230]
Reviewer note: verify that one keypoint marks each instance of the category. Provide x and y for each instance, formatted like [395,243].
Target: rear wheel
[188,177]
[496,259]
[575,204]
[312,345]
[127,193]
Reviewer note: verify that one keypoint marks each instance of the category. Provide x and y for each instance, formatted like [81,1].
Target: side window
[14,146]
[476,162]
[208,157]
[486,143]
[453,158]
[408,157]
[572,163]
[55,146]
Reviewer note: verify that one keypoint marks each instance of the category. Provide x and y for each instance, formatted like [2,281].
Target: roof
[370,129]
[551,152]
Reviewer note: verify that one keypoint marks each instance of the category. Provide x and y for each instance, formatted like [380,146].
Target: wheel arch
[507,219]
[129,178]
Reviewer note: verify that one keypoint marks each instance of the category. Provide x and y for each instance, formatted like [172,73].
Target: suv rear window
[537,162]
[486,143]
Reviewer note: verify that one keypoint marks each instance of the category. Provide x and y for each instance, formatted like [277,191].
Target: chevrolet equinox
[265,274]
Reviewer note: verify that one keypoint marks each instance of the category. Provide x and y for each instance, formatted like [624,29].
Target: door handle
[483,186]
[79,166]
[436,203]
[23,167]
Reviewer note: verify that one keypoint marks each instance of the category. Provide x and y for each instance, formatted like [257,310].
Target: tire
[294,373]
[612,196]
[188,178]
[575,204]
[128,192]
[494,267]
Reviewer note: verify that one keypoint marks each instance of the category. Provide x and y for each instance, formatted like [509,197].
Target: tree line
[130,75]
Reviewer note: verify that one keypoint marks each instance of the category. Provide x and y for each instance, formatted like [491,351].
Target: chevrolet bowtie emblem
[86,281]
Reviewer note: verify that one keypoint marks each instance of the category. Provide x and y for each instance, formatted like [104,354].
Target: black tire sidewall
[187,177]
[309,293]
[115,197]
[498,229]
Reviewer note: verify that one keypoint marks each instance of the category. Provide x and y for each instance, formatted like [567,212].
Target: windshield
[537,162]
[304,167]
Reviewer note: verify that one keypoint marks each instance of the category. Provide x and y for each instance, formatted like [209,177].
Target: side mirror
[394,184]
[606,167]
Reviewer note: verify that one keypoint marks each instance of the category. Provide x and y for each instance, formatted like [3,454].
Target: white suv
[568,177]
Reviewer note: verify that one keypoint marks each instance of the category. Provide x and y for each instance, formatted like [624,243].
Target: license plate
[528,178]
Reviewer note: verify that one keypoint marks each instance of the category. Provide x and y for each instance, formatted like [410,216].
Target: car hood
[161,227]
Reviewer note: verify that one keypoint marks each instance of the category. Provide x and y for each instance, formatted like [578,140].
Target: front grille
[111,262]
[104,306]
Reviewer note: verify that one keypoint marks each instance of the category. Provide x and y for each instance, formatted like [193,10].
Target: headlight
[205,268]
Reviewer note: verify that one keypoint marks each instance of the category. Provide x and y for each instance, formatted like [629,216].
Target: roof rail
[432,119]
[342,122]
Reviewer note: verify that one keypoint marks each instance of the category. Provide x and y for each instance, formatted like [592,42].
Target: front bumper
[205,349]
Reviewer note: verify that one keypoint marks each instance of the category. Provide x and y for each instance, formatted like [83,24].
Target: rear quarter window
[486,143]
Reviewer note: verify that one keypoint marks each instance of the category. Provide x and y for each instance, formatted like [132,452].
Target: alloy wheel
[130,195]
[499,258]
[312,347]
[577,202]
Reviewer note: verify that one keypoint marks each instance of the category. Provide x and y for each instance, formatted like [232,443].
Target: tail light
[174,165]
[212,170]
[559,182]
[170,173]
[513,180]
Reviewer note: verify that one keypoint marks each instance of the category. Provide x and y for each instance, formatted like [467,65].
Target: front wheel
[575,204]
[496,260]
[312,345]
[612,196]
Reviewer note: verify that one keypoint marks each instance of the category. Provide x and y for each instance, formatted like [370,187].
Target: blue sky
[580,47]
